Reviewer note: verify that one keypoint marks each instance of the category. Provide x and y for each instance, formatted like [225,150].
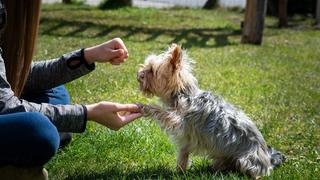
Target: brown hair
[18,40]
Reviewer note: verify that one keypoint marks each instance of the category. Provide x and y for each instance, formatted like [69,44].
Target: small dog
[201,123]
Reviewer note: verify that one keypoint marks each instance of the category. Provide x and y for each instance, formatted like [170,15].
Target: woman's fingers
[118,53]
[117,61]
[127,107]
[130,117]
[120,45]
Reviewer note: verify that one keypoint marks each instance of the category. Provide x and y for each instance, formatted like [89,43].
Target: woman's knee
[44,134]
[59,95]
[56,95]
[31,139]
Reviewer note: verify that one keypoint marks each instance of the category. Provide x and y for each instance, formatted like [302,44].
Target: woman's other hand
[113,51]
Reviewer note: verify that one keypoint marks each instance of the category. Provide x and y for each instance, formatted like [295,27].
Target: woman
[34,104]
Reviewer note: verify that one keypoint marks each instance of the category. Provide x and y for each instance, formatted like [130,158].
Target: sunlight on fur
[201,123]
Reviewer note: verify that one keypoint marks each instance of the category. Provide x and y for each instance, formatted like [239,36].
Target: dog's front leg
[182,159]
[168,120]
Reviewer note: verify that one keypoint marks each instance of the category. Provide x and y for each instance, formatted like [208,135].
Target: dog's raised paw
[144,109]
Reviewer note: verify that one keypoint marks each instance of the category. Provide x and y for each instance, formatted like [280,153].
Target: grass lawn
[276,84]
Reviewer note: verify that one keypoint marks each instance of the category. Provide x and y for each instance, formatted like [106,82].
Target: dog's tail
[276,157]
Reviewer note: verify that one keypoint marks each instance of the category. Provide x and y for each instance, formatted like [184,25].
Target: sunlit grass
[276,84]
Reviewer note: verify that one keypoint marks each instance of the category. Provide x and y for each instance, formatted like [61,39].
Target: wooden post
[318,13]
[255,13]
[283,13]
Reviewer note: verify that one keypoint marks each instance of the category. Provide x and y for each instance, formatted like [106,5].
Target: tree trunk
[114,4]
[283,13]
[210,4]
[66,1]
[255,13]
[318,13]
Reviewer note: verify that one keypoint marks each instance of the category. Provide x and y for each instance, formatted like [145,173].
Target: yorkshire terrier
[200,122]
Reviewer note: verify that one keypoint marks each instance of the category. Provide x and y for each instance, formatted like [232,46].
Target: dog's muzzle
[140,76]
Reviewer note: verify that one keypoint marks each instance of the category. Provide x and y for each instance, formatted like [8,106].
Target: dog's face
[166,74]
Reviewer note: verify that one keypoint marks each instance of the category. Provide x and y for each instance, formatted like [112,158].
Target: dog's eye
[151,70]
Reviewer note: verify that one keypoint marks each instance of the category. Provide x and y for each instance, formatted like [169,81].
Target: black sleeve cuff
[83,59]
[76,59]
[85,120]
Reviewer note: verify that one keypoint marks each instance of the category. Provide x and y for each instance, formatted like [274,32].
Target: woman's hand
[113,115]
[113,51]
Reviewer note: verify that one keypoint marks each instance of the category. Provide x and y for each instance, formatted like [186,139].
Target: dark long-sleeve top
[45,75]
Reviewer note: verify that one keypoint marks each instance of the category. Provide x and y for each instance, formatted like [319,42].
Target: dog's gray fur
[202,123]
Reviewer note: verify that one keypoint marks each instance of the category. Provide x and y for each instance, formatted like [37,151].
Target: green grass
[276,84]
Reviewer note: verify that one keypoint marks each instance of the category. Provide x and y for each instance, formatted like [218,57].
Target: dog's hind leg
[223,165]
[254,166]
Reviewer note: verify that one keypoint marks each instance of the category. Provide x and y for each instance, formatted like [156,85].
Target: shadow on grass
[299,23]
[161,172]
[188,37]
[78,7]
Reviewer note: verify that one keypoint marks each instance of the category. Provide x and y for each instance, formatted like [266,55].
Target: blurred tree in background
[114,4]
[318,13]
[304,7]
[210,4]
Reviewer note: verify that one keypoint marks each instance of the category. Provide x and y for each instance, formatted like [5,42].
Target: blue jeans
[29,138]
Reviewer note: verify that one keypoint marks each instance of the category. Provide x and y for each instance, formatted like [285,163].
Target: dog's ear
[176,55]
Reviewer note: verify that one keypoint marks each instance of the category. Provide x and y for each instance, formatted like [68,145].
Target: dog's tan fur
[200,122]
